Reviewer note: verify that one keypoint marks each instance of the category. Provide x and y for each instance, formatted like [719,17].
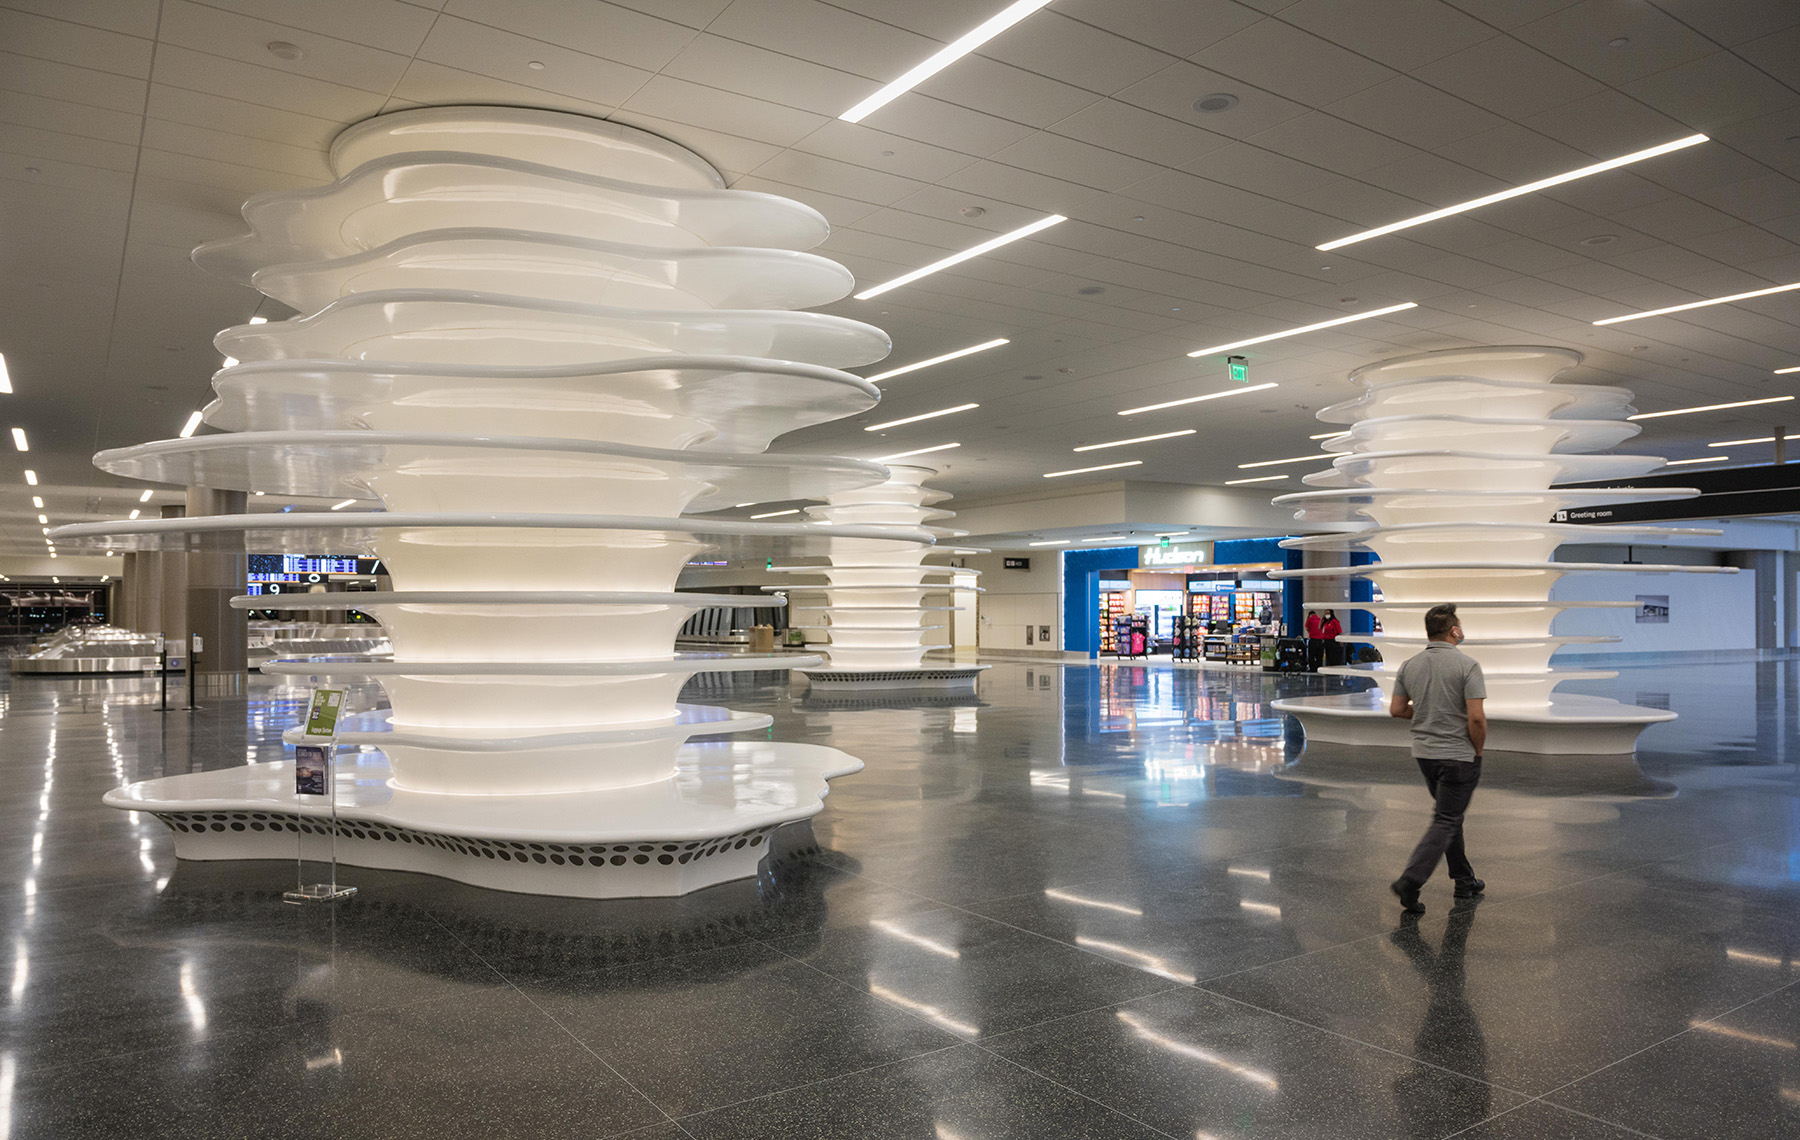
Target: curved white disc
[1373,568]
[388,197]
[655,666]
[356,463]
[300,533]
[1432,466]
[449,326]
[390,737]
[828,567]
[1517,433]
[526,263]
[1528,363]
[1361,538]
[740,402]
[1428,395]
[361,599]
[555,138]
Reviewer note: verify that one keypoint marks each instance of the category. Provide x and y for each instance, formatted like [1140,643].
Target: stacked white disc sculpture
[537,339]
[876,592]
[1454,462]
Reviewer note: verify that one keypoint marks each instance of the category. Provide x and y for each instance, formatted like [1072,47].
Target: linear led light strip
[1516,191]
[1785,371]
[1196,399]
[1307,328]
[1708,408]
[1052,542]
[1708,459]
[1258,479]
[1701,304]
[1085,470]
[938,61]
[958,258]
[1135,439]
[1314,458]
[916,365]
[19,441]
[5,377]
[917,451]
[923,416]
[1747,442]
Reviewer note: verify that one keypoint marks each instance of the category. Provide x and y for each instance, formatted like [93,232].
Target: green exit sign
[1239,368]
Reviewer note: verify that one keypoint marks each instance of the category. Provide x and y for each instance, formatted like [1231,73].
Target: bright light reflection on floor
[1149,963]
[1065,896]
[1254,1076]
[930,1013]
[894,930]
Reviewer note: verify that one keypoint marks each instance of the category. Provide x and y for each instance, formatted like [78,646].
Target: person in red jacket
[1328,633]
[1315,649]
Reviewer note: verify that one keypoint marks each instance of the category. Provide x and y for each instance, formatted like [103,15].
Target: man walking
[1441,690]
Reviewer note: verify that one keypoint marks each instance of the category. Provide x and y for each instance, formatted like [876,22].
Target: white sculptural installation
[1453,460]
[875,600]
[537,340]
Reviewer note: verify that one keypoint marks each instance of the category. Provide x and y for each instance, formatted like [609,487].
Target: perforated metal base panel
[585,870]
[944,677]
[709,822]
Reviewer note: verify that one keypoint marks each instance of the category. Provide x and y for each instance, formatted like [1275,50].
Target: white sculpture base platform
[1572,726]
[708,824]
[927,677]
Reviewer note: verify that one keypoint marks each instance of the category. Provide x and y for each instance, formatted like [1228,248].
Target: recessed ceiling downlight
[1215,103]
[1600,239]
[282,49]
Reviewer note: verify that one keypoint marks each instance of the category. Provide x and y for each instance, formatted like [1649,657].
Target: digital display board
[287,567]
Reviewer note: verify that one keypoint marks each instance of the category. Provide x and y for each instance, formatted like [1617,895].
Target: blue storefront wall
[1081,593]
[1081,585]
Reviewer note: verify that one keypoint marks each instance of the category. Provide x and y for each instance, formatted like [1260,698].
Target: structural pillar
[216,574]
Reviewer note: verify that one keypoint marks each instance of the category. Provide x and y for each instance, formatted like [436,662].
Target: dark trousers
[1452,784]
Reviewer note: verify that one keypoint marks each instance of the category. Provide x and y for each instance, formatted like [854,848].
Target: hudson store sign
[1183,554]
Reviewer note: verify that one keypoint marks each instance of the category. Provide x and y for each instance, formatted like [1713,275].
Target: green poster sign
[322,716]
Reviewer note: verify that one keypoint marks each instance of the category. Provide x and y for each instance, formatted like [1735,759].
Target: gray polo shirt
[1439,679]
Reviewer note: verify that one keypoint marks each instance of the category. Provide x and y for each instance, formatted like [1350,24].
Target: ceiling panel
[1195,228]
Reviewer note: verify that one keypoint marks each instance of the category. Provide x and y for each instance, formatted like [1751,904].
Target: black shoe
[1469,888]
[1408,894]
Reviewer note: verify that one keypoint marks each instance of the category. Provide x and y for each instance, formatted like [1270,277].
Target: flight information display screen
[275,567]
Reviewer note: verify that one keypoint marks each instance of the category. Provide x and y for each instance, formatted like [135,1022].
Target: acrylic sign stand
[318,743]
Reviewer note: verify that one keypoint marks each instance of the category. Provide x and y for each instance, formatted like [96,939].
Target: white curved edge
[680,663]
[1366,373]
[820,588]
[356,601]
[1421,607]
[831,671]
[599,812]
[1376,670]
[263,441]
[1348,540]
[455,120]
[1492,642]
[699,529]
[857,343]
[827,566]
[1561,567]
[609,253]
[734,723]
[1565,708]
[670,362]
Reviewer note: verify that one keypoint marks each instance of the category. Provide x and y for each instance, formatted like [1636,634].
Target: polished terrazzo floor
[1106,902]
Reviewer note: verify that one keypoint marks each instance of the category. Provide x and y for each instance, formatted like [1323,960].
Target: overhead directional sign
[1773,489]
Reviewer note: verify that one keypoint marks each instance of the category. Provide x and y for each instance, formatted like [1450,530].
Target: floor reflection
[1111,901]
